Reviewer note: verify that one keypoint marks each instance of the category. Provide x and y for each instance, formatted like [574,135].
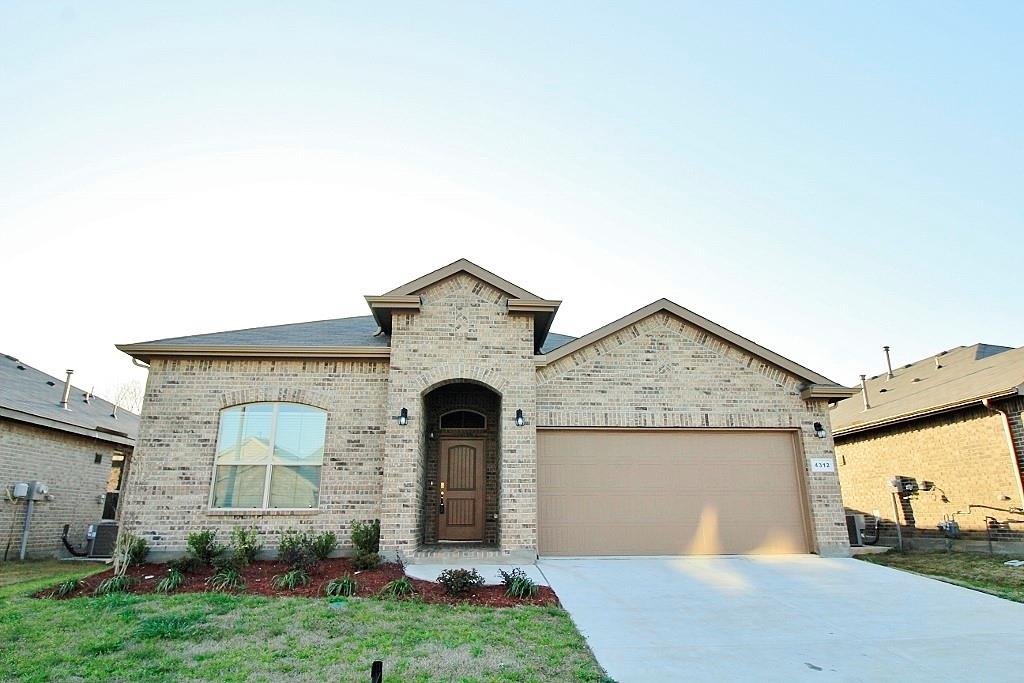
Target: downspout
[1008,430]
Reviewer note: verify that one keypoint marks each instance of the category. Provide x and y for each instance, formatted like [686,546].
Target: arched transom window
[269,456]
[463,419]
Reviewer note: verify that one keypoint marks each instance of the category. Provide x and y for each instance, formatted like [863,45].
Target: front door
[461,502]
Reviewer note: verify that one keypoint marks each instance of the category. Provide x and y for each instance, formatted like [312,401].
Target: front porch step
[461,553]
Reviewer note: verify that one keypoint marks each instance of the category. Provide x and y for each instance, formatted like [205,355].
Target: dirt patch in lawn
[259,577]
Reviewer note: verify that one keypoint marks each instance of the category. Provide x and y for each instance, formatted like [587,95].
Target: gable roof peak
[462,265]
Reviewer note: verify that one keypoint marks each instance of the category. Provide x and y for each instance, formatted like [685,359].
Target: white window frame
[269,466]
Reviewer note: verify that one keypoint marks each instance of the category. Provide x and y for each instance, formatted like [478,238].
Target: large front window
[269,456]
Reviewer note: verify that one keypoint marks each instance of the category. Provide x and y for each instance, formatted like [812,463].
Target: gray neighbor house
[63,456]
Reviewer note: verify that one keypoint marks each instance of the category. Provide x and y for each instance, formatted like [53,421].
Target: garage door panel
[646,493]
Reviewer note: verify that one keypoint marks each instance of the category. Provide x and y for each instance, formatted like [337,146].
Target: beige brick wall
[65,462]
[463,331]
[664,372]
[168,489]
[964,454]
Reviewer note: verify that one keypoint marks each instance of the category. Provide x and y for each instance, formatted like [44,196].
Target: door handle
[440,507]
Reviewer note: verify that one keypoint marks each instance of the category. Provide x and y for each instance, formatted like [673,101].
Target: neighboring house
[76,444]
[454,416]
[948,428]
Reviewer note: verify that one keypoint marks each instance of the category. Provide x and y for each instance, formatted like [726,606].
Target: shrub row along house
[61,438]
[939,441]
[455,416]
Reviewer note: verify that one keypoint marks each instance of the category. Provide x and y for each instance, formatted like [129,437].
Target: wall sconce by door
[819,430]
[403,417]
[520,420]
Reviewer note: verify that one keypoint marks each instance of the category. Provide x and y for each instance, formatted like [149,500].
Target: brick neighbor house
[948,430]
[470,430]
[76,444]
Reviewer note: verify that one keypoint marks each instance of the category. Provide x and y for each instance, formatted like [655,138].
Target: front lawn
[19,578]
[981,572]
[215,636]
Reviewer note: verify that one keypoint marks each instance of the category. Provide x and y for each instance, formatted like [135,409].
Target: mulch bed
[259,574]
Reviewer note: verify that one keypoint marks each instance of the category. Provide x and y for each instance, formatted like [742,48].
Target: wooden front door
[461,501]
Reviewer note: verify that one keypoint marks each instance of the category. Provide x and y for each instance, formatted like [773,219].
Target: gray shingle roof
[967,374]
[356,331]
[32,392]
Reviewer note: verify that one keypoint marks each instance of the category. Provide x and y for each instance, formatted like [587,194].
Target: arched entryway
[462,464]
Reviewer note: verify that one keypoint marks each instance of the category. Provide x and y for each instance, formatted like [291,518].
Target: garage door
[668,493]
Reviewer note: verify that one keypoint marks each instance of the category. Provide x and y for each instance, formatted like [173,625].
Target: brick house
[948,430]
[456,417]
[77,444]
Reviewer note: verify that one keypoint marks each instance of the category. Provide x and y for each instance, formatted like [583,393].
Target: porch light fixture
[819,430]
[520,420]
[403,417]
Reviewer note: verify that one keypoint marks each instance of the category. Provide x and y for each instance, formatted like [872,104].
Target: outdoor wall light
[403,417]
[819,430]
[520,420]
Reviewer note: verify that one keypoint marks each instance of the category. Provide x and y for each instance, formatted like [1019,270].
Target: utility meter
[39,490]
[20,490]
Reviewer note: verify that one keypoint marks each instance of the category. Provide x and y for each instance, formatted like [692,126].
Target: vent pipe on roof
[888,361]
[88,396]
[864,391]
[67,391]
[938,364]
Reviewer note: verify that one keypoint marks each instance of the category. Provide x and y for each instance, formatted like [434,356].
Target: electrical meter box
[38,490]
[20,490]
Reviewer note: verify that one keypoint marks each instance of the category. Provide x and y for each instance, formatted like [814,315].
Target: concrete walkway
[784,618]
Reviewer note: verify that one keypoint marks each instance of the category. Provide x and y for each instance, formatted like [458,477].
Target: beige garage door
[668,493]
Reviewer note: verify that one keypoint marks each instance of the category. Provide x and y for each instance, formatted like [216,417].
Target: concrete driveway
[784,618]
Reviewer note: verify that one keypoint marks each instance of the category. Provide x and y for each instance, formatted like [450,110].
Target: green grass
[970,570]
[215,636]
[23,578]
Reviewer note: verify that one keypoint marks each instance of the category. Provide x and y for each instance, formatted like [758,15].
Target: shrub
[296,549]
[458,581]
[245,544]
[203,545]
[114,584]
[66,588]
[323,544]
[364,561]
[184,564]
[518,584]
[345,586]
[171,582]
[129,550]
[366,537]
[227,578]
[397,589]
[291,580]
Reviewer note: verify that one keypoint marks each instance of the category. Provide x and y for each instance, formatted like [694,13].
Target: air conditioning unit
[855,528]
[102,537]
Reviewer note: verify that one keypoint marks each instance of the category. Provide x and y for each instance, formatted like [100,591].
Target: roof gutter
[926,412]
[145,352]
[39,421]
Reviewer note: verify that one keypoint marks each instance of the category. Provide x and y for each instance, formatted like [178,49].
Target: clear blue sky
[824,178]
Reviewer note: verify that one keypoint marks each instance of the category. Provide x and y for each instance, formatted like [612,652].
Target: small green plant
[185,564]
[296,549]
[245,544]
[366,537]
[518,584]
[344,586]
[459,581]
[119,583]
[171,582]
[291,580]
[397,589]
[227,578]
[323,544]
[203,545]
[66,588]
[364,561]
[129,550]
